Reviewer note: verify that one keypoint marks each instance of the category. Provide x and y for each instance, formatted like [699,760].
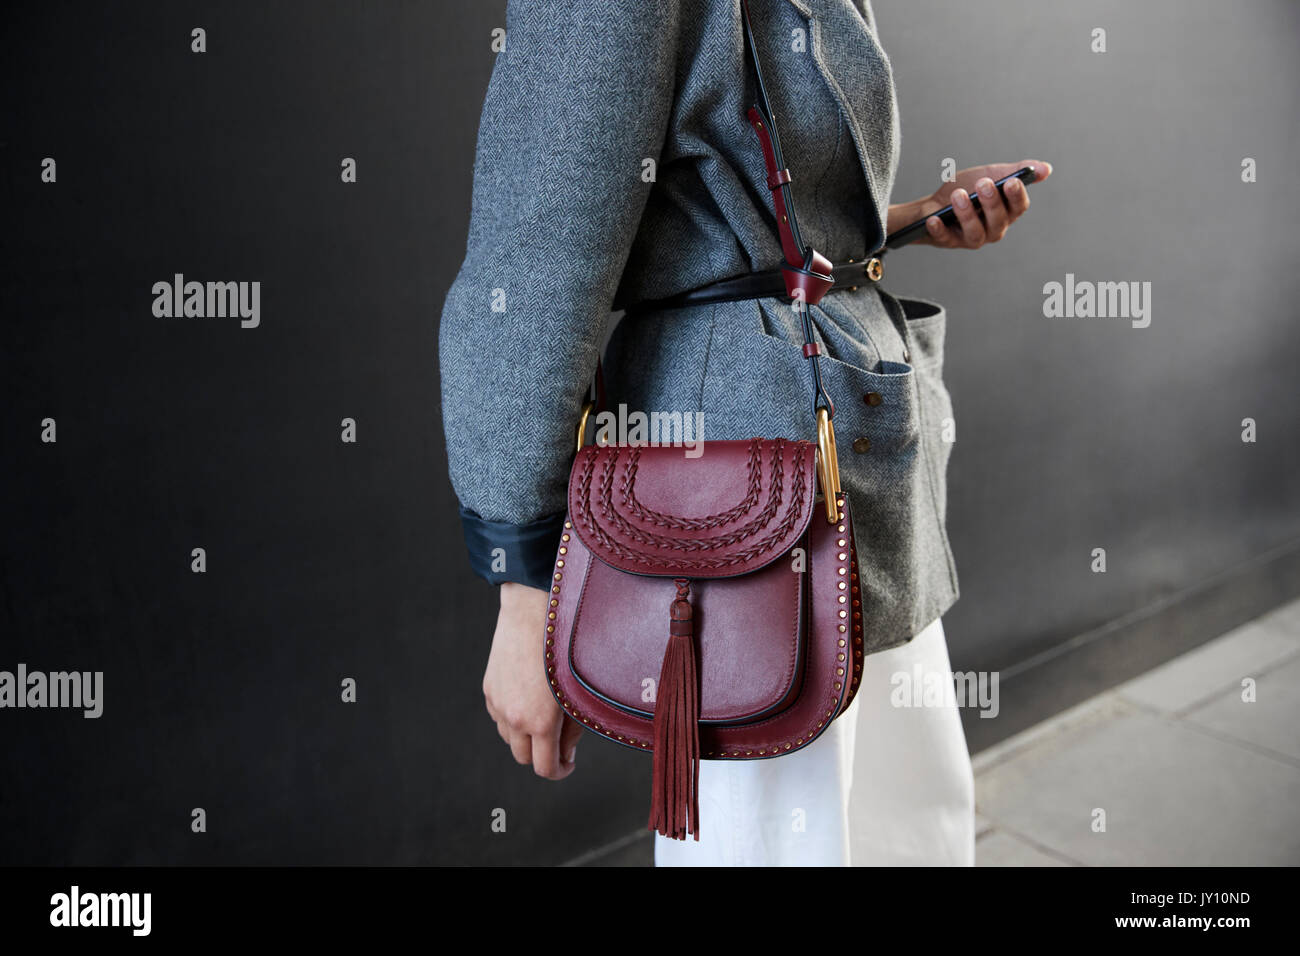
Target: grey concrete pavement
[1194,763]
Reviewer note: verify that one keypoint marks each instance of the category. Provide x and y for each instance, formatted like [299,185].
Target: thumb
[1041,169]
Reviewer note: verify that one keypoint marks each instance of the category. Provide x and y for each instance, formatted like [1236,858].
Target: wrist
[514,593]
[903,214]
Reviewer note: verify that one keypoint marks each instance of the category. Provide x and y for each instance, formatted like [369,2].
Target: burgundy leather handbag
[709,607]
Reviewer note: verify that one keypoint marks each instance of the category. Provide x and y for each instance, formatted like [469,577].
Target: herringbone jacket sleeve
[575,116]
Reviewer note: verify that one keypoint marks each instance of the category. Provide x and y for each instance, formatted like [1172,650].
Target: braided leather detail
[665,520]
[730,559]
[757,524]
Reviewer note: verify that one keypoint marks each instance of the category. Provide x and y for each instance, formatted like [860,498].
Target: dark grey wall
[328,560]
[325,560]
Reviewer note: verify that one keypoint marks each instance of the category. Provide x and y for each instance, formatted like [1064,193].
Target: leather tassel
[675,785]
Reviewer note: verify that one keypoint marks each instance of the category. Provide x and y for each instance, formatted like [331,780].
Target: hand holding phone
[948,215]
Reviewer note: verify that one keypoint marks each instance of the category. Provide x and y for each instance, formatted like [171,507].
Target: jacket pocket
[926,323]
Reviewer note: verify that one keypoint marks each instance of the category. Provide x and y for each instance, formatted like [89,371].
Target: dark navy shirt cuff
[524,553]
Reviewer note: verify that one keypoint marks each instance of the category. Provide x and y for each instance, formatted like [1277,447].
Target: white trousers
[884,785]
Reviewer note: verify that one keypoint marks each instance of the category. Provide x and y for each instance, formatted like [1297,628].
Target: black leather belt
[759,285]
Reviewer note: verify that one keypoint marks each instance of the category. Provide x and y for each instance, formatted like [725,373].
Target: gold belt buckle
[873,269]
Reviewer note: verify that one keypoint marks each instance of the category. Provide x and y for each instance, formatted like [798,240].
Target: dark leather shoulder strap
[808,274]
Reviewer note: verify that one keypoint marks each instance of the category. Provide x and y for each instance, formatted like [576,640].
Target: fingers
[569,737]
[521,746]
[546,751]
[1015,193]
[943,236]
[998,210]
[968,220]
[939,233]
[555,750]
[510,728]
[996,218]
[546,756]
[503,728]
[1017,197]
[547,743]
[515,690]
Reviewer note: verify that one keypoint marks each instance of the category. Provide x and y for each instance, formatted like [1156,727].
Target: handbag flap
[736,507]
[750,634]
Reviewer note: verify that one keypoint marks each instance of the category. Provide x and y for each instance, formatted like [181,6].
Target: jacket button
[872,398]
[862,445]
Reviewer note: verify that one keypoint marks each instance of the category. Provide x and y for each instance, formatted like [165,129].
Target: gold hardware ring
[828,465]
[582,422]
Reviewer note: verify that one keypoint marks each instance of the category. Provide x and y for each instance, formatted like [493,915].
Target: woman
[615,161]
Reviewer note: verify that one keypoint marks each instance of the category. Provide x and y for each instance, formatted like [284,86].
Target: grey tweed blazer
[614,158]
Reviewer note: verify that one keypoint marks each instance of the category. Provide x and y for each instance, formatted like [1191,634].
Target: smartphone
[948,215]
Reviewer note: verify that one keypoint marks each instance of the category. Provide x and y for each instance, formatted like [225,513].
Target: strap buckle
[807,284]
